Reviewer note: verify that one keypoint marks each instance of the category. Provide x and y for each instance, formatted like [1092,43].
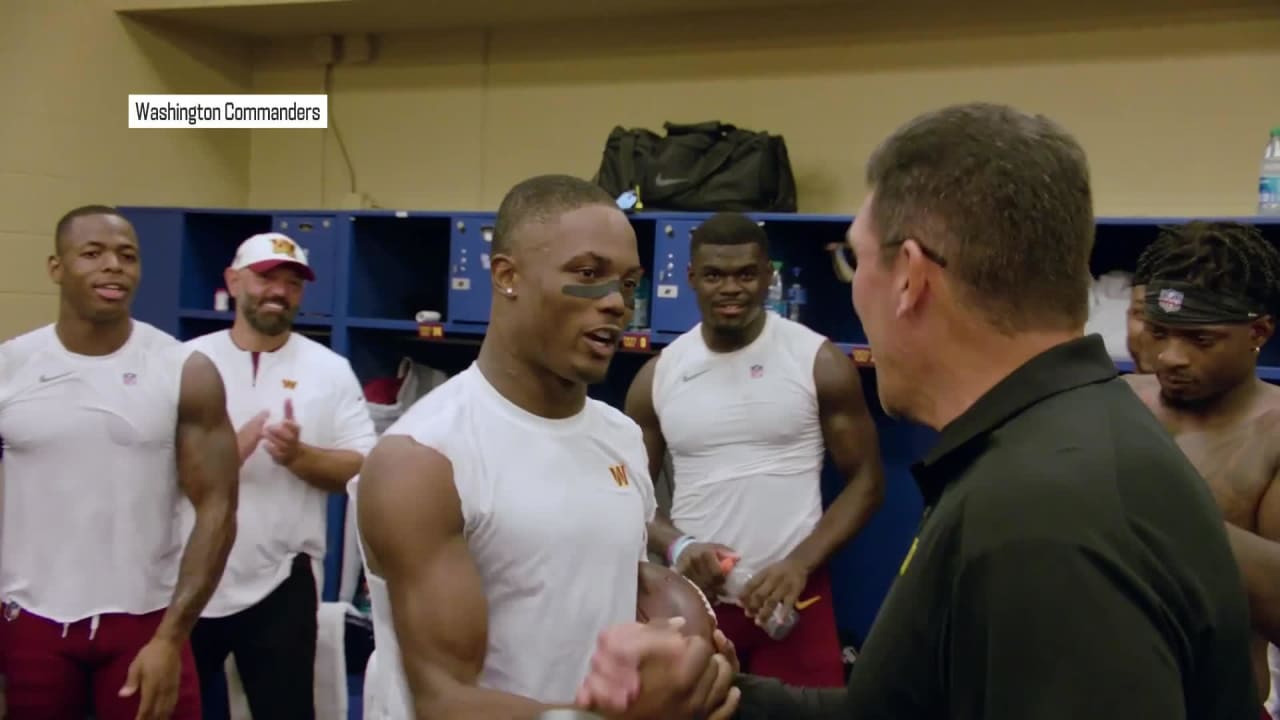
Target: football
[665,593]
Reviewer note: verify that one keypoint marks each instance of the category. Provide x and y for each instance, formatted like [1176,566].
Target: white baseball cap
[265,251]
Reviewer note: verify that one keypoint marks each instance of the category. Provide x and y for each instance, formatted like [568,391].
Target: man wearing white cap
[304,428]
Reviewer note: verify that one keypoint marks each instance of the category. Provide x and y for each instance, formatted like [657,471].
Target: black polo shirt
[1071,565]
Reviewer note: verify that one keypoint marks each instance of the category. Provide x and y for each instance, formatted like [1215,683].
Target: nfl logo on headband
[1170,301]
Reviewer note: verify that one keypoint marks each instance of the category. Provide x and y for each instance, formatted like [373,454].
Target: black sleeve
[768,699]
[1043,630]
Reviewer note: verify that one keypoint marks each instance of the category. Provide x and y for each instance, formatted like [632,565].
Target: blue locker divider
[335,534]
[674,307]
[317,236]
[470,242]
[342,228]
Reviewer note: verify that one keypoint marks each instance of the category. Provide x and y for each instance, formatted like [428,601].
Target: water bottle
[1269,181]
[777,300]
[640,316]
[780,622]
[796,297]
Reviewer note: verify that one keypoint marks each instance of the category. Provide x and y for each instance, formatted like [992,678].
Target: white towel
[374,709]
[331,661]
[1273,662]
[1109,312]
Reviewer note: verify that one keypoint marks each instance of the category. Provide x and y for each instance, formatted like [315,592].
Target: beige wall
[1168,97]
[66,70]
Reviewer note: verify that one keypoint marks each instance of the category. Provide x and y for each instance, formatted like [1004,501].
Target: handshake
[652,671]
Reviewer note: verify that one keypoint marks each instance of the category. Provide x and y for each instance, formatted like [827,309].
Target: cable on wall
[337,133]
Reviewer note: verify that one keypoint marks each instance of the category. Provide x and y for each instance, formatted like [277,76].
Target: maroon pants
[60,672]
[809,657]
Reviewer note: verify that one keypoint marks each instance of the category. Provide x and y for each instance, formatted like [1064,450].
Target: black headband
[1177,303]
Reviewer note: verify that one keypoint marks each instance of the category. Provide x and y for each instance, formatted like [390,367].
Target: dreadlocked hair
[1220,257]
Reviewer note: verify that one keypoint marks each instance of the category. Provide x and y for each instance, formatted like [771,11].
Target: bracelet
[677,547]
[671,548]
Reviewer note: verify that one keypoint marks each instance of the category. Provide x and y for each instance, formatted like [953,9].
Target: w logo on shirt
[619,473]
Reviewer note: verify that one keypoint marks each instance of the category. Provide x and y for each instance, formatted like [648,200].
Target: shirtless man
[503,516]
[109,425]
[1212,291]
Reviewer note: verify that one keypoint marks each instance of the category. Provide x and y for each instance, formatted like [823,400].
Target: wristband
[672,547]
[677,547]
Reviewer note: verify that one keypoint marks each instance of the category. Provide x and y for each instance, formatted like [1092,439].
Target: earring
[509,291]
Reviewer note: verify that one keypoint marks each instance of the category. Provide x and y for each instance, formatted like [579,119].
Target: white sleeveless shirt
[745,439]
[90,475]
[554,516]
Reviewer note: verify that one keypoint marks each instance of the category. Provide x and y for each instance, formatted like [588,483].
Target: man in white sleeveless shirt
[108,424]
[747,402]
[503,516]
[306,428]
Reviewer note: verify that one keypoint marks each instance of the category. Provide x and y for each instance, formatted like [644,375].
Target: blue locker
[209,242]
[160,233]
[673,307]
[469,283]
[316,234]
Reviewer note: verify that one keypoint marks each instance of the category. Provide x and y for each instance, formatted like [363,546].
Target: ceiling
[256,18]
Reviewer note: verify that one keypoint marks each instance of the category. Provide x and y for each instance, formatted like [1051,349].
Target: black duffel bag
[707,166]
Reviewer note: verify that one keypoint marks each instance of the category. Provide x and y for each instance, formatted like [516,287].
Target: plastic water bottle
[640,316]
[796,297]
[1269,182]
[777,300]
[781,621]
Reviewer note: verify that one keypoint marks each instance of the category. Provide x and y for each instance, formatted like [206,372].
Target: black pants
[274,643]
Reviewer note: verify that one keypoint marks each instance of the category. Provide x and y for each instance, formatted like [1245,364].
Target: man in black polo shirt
[1071,563]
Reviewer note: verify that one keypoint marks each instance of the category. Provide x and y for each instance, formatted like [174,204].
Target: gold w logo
[619,473]
[281,246]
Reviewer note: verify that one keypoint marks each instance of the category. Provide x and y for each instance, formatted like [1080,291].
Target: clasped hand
[281,439]
[651,671]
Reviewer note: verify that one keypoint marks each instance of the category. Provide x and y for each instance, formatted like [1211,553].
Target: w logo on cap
[263,252]
[283,246]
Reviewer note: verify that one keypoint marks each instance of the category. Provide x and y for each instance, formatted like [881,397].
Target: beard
[273,323]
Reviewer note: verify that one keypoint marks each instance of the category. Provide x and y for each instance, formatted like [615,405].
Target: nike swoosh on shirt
[689,376]
[50,378]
